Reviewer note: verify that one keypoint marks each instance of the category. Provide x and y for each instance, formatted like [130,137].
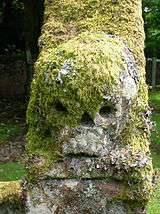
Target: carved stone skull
[85,130]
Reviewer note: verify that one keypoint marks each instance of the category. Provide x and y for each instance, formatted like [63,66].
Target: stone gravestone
[88,137]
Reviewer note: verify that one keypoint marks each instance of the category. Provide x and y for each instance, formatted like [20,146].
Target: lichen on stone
[70,82]
[87,114]
[64,20]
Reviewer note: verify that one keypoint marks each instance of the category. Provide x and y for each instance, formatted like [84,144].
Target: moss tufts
[10,191]
[66,19]
[75,68]
[68,83]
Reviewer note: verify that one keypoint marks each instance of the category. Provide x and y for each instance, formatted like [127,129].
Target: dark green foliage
[33,17]
[151,13]
[11,25]
[8,130]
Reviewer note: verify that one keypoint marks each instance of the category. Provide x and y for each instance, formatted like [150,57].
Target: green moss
[10,191]
[11,197]
[74,72]
[136,136]
[58,101]
[65,19]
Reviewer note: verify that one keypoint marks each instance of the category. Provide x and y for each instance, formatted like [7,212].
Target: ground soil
[13,111]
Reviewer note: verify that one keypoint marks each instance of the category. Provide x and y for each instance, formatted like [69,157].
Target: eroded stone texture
[75,197]
[101,142]
[88,138]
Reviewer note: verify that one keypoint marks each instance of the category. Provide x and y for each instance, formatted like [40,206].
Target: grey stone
[74,196]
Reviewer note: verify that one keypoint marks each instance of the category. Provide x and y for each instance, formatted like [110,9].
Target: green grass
[154,203]
[11,171]
[154,99]
[155,136]
[156,160]
[8,130]
[12,124]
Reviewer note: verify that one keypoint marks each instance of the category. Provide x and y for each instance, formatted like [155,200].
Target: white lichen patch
[71,184]
[66,69]
[129,87]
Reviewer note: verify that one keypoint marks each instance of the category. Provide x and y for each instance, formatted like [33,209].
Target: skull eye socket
[87,120]
[60,107]
[106,110]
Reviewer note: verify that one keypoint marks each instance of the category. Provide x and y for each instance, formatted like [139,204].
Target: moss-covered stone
[64,20]
[70,81]
[89,91]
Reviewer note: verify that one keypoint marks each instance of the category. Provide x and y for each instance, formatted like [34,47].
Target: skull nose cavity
[87,120]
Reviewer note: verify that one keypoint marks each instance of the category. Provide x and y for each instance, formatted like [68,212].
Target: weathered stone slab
[75,197]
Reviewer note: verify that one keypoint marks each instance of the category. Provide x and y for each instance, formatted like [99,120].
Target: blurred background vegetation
[20,27]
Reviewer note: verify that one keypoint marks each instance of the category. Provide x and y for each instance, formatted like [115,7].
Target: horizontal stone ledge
[72,196]
[83,186]
[83,168]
